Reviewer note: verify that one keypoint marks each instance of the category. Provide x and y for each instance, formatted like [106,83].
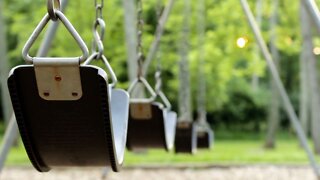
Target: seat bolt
[58,78]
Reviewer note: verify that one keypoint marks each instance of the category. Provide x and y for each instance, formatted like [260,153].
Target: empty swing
[151,123]
[170,117]
[119,105]
[64,110]
[205,135]
[186,135]
[204,132]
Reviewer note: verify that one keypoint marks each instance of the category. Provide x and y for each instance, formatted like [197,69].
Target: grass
[228,152]
[229,149]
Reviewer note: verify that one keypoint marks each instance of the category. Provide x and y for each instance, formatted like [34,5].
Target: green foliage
[246,109]
[228,69]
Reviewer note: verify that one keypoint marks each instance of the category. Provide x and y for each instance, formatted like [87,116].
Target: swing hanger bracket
[95,56]
[57,78]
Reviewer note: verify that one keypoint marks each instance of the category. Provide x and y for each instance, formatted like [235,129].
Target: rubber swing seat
[205,139]
[150,126]
[186,138]
[85,132]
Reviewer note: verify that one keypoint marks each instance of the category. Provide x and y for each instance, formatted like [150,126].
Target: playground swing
[63,109]
[204,132]
[186,135]
[119,98]
[171,116]
[205,135]
[151,123]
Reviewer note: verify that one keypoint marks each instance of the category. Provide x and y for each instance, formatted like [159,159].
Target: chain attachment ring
[52,7]
[97,45]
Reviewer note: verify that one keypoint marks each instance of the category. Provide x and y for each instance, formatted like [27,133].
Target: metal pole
[313,11]
[159,32]
[286,101]
[10,136]
[12,129]
[4,69]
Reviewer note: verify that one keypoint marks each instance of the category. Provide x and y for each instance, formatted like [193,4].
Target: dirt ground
[265,172]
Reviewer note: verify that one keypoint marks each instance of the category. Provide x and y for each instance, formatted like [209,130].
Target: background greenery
[232,104]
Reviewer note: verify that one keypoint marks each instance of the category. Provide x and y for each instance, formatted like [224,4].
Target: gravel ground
[268,172]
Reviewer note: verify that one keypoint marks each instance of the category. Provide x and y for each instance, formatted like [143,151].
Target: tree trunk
[304,75]
[274,108]
[201,91]
[255,78]
[307,53]
[130,19]
[4,69]
[185,110]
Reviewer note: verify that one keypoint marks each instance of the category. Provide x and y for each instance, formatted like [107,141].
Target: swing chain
[99,8]
[97,44]
[52,7]
[140,25]
[158,74]
[158,81]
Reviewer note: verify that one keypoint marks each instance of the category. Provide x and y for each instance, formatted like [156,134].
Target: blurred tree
[130,19]
[274,107]
[307,53]
[201,88]
[225,63]
[185,108]
[304,74]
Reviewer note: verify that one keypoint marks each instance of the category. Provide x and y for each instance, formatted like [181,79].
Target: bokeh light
[242,42]
[316,51]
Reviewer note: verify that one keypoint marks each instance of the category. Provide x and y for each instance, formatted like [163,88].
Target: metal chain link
[158,74]
[52,6]
[140,25]
[99,7]
[99,28]
[97,44]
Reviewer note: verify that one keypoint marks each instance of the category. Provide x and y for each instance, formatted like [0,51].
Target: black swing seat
[186,137]
[150,126]
[205,138]
[89,131]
